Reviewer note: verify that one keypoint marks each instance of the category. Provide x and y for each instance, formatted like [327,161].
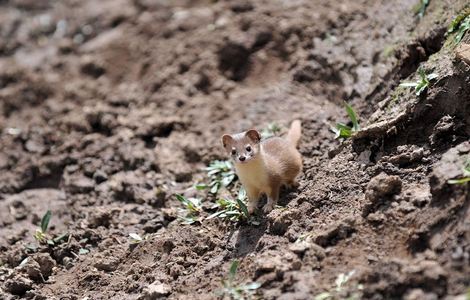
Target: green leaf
[187,220]
[201,186]
[31,247]
[352,116]
[181,199]
[24,262]
[214,188]
[83,251]
[61,237]
[421,8]
[420,88]
[462,30]
[45,221]
[455,24]
[227,180]
[422,74]
[135,237]
[409,84]
[323,296]
[342,131]
[459,181]
[432,76]
[251,286]
[243,207]
[216,214]
[233,270]
[50,242]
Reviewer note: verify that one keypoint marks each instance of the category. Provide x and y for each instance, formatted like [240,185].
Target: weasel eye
[234,152]
[248,148]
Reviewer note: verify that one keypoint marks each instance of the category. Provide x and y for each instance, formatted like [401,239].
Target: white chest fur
[253,174]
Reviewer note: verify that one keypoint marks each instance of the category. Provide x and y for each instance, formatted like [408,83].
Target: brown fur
[267,165]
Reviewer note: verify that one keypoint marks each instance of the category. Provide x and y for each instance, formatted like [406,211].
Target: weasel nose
[242,158]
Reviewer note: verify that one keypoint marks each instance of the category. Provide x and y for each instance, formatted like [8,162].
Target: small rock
[99,217]
[406,207]
[34,146]
[18,210]
[183,176]
[419,294]
[380,189]
[107,264]
[156,290]
[18,285]
[442,131]
[91,68]
[335,233]
[383,185]
[376,218]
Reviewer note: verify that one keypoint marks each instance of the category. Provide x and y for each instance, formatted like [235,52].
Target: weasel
[264,166]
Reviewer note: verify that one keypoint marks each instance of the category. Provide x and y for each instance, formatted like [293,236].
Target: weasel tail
[293,135]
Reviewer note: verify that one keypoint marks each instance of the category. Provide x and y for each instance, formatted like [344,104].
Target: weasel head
[243,147]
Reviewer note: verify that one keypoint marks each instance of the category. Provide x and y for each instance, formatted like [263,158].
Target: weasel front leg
[273,196]
[253,196]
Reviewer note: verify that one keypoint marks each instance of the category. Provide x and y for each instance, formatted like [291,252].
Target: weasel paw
[251,209]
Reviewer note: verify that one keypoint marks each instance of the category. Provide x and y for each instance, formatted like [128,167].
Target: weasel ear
[253,135]
[226,140]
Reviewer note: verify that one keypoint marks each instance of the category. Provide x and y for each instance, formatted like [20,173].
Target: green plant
[235,291]
[192,208]
[460,25]
[136,239]
[233,210]
[420,8]
[339,291]
[41,233]
[220,173]
[466,175]
[344,131]
[272,130]
[83,251]
[422,84]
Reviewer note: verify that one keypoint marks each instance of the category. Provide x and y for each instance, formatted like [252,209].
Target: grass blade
[459,181]
[45,221]
[181,199]
[352,116]
[233,270]
[243,207]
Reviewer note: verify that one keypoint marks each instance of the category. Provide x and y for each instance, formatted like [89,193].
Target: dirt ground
[110,108]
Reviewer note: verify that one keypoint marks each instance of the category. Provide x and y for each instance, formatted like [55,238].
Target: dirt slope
[109,108]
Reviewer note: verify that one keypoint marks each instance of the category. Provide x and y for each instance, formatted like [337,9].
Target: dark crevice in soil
[51,181]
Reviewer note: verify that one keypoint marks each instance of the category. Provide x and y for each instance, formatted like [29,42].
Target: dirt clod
[18,285]
[380,189]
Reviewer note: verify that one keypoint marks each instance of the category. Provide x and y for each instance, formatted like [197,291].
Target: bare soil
[109,108]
